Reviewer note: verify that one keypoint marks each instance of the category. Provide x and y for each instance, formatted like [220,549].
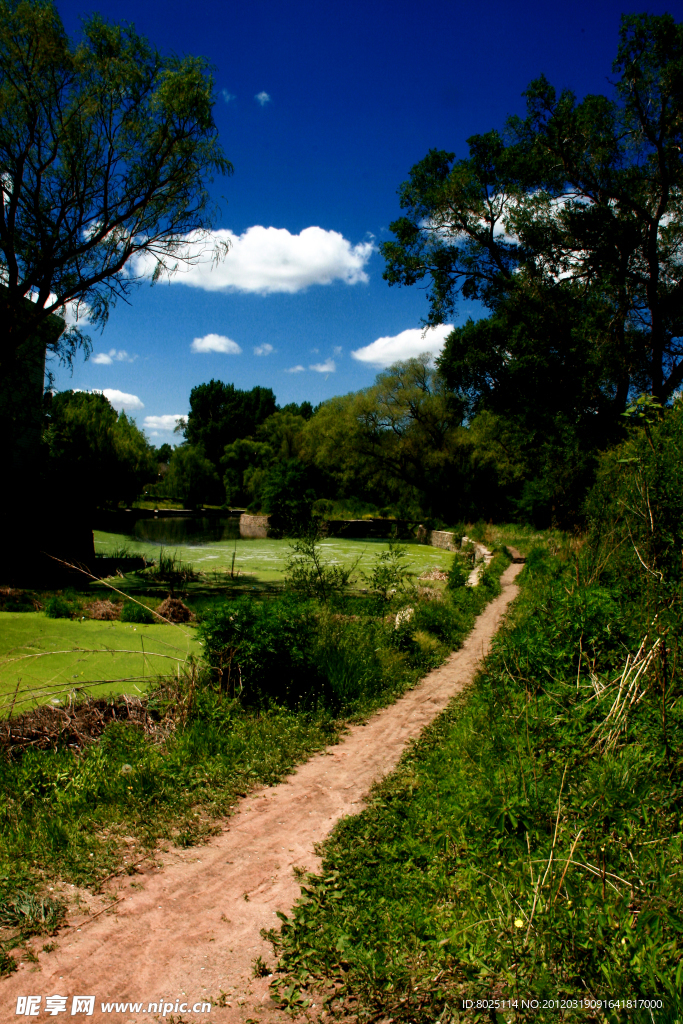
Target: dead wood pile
[105,610]
[75,725]
[174,610]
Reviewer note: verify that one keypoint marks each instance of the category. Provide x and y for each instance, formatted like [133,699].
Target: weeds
[531,844]
[280,678]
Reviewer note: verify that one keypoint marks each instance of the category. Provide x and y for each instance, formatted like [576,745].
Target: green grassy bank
[43,659]
[305,667]
[530,846]
[264,561]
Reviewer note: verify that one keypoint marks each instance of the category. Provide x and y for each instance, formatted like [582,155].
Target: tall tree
[220,414]
[584,197]
[95,456]
[107,149]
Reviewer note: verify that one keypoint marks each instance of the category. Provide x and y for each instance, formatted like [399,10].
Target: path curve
[192,929]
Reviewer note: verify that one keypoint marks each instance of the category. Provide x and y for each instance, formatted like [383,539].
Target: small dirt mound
[104,610]
[175,611]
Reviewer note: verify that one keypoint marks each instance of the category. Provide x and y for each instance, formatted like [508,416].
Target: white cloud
[215,343]
[262,98]
[263,350]
[268,260]
[337,350]
[413,342]
[107,358]
[119,399]
[227,96]
[168,422]
[295,369]
[328,366]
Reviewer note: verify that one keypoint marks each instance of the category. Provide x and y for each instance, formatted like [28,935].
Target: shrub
[389,574]
[133,612]
[308,573]
[262,652]
[59,608]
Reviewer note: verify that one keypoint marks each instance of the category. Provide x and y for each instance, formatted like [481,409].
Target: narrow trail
[191,930]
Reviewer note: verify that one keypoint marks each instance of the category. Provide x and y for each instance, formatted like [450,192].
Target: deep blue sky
[358,92]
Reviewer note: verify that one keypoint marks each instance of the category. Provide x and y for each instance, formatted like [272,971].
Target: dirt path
[187,932]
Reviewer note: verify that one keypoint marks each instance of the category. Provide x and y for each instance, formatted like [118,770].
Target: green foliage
[532,841]
[134,612]
[171,570]
[308,573]
[266,471]
[459,573]
[192,477]
[390,574]
[259,651]
[132,149]
[95,456]
[220,414]
[30,914]
[58,607]
[399,442]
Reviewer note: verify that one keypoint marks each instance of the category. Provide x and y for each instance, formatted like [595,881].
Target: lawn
[264,560]
[44,659]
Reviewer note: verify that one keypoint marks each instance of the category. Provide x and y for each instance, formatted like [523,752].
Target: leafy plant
[31,914]
[134,612]
[308,573]
[389,575]
[58,607]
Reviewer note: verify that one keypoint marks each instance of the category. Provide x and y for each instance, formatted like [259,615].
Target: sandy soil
[189,929]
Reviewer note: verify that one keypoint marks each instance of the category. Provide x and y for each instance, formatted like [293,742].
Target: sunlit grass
[43,659]
[265,560]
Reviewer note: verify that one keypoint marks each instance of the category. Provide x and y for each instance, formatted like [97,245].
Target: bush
[262,652]
[59,608]
[458,575]
[133,612]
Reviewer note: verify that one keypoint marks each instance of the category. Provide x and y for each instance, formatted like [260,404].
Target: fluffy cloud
[413,342]
[107,358]
[263,350]
[295,369]
[120,399]
[227,96]
[215,343]
[167,422]
[262,98]
[268,260]
[329,366]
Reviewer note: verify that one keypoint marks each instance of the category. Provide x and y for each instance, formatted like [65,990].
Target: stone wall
[443,539]
[254,526]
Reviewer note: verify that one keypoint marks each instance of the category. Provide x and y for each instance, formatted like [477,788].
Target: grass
[42,659]
[263,561]
[531,843]
[70,817]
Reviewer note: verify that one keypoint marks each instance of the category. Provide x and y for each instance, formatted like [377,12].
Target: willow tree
[107,152]
[107,149]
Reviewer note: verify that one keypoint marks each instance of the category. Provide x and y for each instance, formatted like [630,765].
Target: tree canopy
[221,413]
[583,197]
[107,149]
[94,455]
